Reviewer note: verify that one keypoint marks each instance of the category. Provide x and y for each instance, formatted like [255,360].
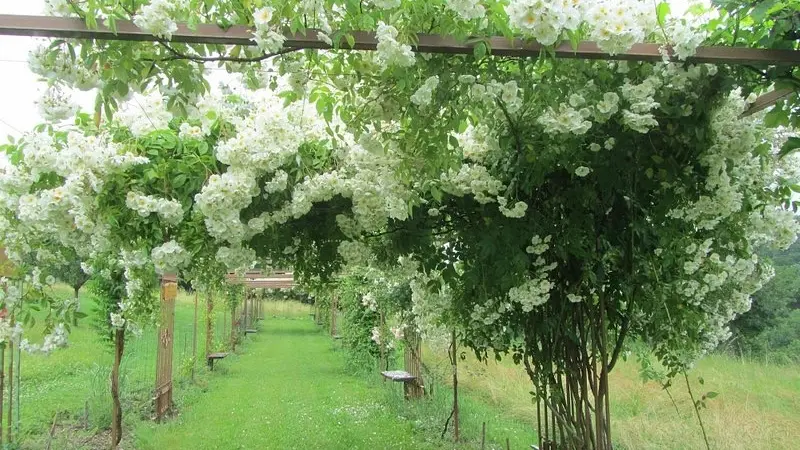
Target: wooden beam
[766,100]
[73,28]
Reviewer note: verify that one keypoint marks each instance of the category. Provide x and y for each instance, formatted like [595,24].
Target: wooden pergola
[258,280]
[125,30]
[74,28]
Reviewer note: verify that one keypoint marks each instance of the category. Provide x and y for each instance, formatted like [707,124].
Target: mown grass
[758,406]
[290,390]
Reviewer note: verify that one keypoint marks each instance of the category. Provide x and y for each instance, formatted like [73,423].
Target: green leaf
[776,117]
[351,40]
[662,11]
[792,144]
[436,194]
[480,50]
[712,394]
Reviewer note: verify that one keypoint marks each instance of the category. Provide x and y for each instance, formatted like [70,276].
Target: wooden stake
[483,436]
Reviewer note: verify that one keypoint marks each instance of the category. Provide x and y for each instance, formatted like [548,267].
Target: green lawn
[291,391]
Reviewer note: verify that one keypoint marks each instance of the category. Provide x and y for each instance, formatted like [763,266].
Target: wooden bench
[213,357]
[398,375]
[406,378]
[250,331]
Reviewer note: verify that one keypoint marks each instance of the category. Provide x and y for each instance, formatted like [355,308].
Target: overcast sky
[19,88]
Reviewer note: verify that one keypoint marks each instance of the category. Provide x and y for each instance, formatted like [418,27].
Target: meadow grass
[758,406]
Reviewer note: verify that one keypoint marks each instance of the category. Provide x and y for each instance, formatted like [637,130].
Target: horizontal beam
[766,100]
[73,28]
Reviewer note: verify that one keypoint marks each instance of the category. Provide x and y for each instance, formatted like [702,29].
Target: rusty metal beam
[59,27]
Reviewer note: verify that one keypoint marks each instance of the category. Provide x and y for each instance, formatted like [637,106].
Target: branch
[176,55]
[511,125]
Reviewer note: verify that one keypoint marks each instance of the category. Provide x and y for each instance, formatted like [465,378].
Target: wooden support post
[413,360]
[169,291]
[209,323]
[334,307]
[233,329]
[383,361]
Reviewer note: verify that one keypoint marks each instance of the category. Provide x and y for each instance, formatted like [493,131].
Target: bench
[398,375]
[336,336]
[213,357]
[409,381]
[250,331]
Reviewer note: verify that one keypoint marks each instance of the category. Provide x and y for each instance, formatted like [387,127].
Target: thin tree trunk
[9,436]
[456,433]
[194,336]
[233,329]
[17,390]
[76,291]
[116,414]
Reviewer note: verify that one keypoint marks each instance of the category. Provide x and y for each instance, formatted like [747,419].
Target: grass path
[288,391]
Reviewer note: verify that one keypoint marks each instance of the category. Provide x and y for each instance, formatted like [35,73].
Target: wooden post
[233,328]
[334,306]
[383,361]
[413,358]
[169,290]
[209,323]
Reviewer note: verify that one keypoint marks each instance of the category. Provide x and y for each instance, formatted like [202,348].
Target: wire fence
[138,366]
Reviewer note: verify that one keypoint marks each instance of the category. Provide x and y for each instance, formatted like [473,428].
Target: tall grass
[758,406]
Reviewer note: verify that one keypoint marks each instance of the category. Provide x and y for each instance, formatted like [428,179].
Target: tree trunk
[116,414]
[455,387]
[9,436]
[194,336]
[76,291]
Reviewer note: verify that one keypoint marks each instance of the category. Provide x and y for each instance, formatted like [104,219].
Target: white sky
[19,88]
